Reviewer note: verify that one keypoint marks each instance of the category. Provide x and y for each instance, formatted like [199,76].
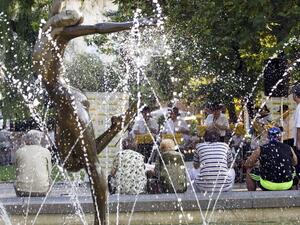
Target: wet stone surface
[60,200]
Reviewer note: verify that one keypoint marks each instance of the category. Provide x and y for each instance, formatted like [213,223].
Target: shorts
[255,175]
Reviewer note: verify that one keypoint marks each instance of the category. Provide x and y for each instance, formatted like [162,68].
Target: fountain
[75,130]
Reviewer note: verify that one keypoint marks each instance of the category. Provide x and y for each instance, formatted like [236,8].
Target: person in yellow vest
[177,127]
[144,131]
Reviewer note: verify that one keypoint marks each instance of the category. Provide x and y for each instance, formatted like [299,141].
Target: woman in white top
[145,125]
[217,120]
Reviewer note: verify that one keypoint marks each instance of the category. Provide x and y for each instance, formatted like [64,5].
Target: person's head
[167,145]
[212,135]
[284,109]
[264,110]
[296,93]
[128,144]
[274,134]
[146,112]
[174,113]
[33,137]
[216,109]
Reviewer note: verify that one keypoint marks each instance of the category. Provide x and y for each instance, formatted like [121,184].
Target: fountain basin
[238,207]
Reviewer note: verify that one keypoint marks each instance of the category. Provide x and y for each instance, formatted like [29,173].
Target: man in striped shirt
[214,159]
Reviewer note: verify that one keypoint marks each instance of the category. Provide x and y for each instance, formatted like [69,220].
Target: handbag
[153,186]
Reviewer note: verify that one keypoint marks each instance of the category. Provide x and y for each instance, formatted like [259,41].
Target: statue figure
[75,138]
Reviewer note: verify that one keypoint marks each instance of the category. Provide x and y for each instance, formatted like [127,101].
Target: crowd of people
[270,162]
[151,158]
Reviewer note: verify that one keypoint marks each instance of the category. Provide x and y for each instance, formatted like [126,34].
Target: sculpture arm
[103,140]
[101,28]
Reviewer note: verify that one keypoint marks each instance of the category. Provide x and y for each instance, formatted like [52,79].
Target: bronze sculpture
[75,138]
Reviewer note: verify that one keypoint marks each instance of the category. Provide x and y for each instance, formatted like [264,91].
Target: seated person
[145,128]
[214,159]
[170,168]
[176,125]
[5,147]
[128,172]
[287,125]
[217,120]
[33,166]
[275,171]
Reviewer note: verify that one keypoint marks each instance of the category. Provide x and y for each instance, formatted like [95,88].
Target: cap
[274,134]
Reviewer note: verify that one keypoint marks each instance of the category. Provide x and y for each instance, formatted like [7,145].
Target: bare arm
[221,127]
[298,139]
[294,158]
[250,162]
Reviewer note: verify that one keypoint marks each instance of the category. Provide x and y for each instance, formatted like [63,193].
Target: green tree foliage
[19,25]
[86,72]
[226,43]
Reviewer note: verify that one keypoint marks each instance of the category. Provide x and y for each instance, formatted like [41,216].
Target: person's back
[275,170]
[214,159]
[33,164]
[213,174]
[128,172]
[276,162]
[173,169]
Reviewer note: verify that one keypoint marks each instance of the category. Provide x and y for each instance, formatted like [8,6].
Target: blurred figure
[287,124]
[33,166]
[264,116]
[5,147]
[260,127]
[170,168]
[128,172]
[144,131]
[176,126]
[217,120]
[214,158]
[296,132]
[276,160]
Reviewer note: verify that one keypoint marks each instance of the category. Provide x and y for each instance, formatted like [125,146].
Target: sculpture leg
[98,191]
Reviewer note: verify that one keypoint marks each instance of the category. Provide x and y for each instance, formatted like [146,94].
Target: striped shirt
[214,159]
